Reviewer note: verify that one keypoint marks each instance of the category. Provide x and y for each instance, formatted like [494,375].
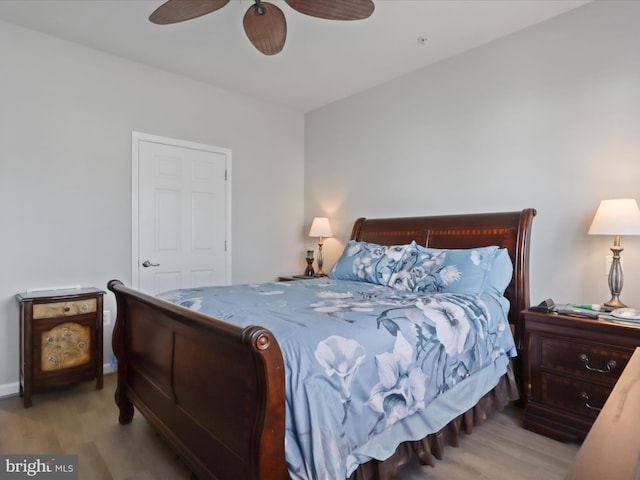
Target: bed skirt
[432,446]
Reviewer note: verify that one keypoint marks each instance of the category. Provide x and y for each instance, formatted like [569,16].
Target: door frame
[136,138]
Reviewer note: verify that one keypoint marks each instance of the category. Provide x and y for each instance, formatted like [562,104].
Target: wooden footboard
[215,391]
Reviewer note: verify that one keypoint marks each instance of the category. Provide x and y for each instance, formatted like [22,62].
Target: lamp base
[615,276]
[613,304]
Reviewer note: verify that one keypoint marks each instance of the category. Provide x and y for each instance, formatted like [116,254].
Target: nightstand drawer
[590,361]
[579,398]
[63,309]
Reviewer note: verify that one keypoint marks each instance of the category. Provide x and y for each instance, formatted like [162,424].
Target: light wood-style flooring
[84,421]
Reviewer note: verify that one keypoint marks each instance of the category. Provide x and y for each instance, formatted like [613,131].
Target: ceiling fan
[264,23]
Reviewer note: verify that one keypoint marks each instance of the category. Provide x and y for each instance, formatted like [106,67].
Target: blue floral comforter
[364,363]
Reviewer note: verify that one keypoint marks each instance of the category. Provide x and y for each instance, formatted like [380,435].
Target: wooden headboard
[510,230]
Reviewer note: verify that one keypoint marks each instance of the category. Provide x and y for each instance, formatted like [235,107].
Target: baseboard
[108,368]
[11,389]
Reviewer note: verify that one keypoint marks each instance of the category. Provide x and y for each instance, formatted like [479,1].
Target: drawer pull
[611,364]
[585,398]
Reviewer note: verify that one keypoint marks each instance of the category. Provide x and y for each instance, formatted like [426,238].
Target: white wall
[547,118]
[66,117]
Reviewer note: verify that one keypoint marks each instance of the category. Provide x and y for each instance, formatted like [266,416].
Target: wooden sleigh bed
[167,355]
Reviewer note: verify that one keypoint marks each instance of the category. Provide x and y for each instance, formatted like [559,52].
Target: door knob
[147,264]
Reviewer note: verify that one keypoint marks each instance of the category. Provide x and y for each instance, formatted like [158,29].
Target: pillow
[367,262]
[499,274]
[450,271]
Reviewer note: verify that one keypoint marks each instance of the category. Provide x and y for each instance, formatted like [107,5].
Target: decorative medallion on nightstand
[64,346]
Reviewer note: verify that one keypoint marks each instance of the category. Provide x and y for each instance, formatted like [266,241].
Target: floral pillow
[368,262]
[451,271]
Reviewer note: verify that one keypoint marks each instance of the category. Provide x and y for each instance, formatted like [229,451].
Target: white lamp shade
[616,217]
[320,228]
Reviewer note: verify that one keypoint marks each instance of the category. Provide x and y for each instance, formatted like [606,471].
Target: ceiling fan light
[259,8]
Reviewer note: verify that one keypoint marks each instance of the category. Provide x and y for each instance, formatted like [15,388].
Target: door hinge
[225,175]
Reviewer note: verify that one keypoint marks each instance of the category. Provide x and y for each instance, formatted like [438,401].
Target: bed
[222,393]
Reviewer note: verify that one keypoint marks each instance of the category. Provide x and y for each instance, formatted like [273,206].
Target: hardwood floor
[500,449]
[83,420]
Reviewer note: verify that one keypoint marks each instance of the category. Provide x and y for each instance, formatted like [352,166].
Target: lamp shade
[616,217]
[320,228]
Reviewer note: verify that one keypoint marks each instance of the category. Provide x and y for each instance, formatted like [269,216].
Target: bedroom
[555,109]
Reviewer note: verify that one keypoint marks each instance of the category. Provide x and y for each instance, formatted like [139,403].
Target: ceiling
[322,61]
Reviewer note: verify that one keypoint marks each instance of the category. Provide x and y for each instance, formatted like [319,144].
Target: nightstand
[60,339]
[571,365]
[292,278]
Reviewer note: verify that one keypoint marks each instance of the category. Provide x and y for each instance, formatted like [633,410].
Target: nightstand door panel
[64,349]
[65,345]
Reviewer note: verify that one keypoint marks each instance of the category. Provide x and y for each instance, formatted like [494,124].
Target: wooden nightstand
[60,339]
[611,448]
[571,365]
[292,278]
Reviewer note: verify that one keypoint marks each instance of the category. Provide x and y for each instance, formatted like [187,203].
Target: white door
[182,214]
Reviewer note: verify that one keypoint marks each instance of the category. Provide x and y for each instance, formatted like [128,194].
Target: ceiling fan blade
[266,27]
[334,9]
[174,11]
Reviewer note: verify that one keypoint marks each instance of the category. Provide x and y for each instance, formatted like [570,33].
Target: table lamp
[616,217]
[321,228]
